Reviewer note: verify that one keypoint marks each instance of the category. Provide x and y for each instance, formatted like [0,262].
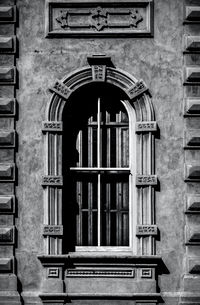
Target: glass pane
[86,220]
[115,210]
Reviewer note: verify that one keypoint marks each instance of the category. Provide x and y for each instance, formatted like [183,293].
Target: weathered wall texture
[159,61]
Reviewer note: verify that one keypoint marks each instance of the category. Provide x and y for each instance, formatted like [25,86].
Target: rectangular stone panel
[7,235]
[7,138]
[192,139]
[7,14]
[193,204]
[192,107]
[7,44]
[6,204]
[5,265]
[7,75]
[7,172]
[100,18]
[52,126]
[192,173]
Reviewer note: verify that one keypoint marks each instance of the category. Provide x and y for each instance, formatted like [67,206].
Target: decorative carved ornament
[144,230]
[53,230]
[145,126]
[100,272]
[99,18]
[143,180]
[52,126]
[52,180]
[98,73]
[61,89]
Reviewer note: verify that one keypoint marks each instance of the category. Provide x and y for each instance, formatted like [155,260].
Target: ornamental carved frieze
[102,18]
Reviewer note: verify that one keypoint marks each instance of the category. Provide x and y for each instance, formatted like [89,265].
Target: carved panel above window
[99,18]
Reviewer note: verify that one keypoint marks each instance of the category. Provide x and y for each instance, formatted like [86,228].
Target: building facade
[99,152]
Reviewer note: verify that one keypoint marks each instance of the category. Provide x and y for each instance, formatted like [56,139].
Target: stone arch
[52,181]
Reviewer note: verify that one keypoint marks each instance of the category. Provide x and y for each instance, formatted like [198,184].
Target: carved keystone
[192,173]
[192,107]
[7,172]
[5,265]
[7,138]
[6,204]
[7,75]
[7,14]
[99,73]
[192,139]
[7,107]
[146,230]
[6,235]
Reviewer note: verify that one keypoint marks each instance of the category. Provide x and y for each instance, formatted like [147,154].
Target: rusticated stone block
[7,75]
[6,204]
[7,14]
[193,235]
[192,14]
[193,204]
[5,265]
[192,107]
[191,284]
[192,43]
[192,75]
[8,282]
[7,138]
[192,139]
[192,173]
[7,172]
[6,235]
[7,107]
[7,44]
[194,266]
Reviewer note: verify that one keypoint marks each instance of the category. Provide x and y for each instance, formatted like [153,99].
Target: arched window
[99,166]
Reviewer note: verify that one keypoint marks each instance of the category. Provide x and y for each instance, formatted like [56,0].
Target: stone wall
[159,61]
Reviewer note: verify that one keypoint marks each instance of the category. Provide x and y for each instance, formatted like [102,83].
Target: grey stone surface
[159,62]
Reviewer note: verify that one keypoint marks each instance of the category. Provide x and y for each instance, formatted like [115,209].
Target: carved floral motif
[62,19]
[99,18]
[135,18]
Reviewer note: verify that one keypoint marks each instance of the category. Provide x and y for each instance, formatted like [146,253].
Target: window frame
[52,180]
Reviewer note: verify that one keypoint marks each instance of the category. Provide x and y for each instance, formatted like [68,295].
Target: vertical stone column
[8,279]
